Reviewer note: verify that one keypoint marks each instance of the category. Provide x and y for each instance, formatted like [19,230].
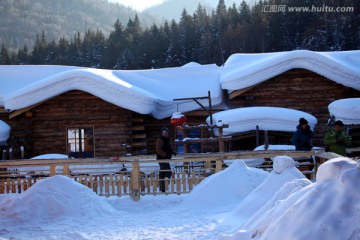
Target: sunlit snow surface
[237,203]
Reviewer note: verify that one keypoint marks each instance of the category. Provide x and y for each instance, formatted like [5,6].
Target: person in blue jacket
[302,137]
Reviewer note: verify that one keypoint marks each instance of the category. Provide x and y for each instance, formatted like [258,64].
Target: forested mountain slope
[22,20]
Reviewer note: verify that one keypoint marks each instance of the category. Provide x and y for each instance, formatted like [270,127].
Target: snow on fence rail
[138,175]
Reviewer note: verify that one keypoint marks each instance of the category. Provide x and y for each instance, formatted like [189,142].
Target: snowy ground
[237,203]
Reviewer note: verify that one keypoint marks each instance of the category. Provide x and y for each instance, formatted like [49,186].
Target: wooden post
[2,187]
[178,184]
[22,149]
[11,155]
[218,165]
[210,109]
[183,177]
[66,170]
[266,139]
[257,136]
[135,180]
[52,170]
[221,141]
[119,185]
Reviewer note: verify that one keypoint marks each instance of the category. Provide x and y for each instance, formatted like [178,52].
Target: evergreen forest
[203,37]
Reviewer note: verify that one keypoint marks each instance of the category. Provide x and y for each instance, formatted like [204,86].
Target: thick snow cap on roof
[244,70]
[4,131]
[143,91]
[267,118]
[347,110]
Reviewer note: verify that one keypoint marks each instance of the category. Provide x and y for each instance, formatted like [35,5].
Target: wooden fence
[138,175]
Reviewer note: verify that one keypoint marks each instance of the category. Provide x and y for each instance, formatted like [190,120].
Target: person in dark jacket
[302,137]
[164,151]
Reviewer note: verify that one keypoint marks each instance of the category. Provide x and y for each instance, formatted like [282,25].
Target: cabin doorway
[80,142]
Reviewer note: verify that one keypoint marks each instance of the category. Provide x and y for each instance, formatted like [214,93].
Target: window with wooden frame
[80,142]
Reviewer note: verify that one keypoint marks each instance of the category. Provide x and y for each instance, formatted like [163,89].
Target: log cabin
[84,112]
[301,80]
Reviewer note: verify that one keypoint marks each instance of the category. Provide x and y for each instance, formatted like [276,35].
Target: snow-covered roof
[347,110]
[143,91]
[245,70]
[267,118]
[152,91]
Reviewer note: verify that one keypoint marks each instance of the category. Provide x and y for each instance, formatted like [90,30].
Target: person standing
[164,151]
[302,137]
[337,139]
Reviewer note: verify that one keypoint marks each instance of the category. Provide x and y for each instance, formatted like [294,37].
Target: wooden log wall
[153,127]
[42,129]
[45,129]
[297,89]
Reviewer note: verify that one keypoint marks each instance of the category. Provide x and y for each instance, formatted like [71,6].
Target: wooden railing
[136,175]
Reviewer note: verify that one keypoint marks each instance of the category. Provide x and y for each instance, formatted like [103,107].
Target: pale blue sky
[138,5]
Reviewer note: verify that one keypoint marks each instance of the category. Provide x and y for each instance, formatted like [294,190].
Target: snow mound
[333,168]
[347,110]
[52,156]
[55,198]
[338,207]
[283,163]
[266,118]
[240,179]
[4,131]
[321,210]
[267,214]
[265,191]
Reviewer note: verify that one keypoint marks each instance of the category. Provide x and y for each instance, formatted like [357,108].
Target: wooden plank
[178,183]
[138,144]
[107,185]
[172,184]
[13,186]
[125,183]
[137,119]
[139,136]
[111,183]
[138,128]
[19,185]
[154,182]
[96,184]
[119,185]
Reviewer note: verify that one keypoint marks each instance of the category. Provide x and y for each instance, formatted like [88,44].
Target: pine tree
[4,56]
[23,56]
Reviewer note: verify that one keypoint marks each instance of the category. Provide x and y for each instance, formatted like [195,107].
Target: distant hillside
[22,20]
[172,9]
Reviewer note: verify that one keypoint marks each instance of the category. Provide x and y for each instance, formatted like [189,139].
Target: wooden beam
[20,111]
[239,92]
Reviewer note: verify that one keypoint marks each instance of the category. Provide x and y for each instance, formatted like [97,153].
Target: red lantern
[178,119]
